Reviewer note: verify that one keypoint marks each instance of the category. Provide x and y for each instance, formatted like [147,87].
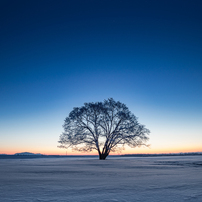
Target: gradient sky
[56,55]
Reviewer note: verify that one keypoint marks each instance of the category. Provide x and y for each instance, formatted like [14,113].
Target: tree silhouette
[103,126]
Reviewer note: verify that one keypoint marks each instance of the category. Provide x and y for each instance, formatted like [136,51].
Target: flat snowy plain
[120,179]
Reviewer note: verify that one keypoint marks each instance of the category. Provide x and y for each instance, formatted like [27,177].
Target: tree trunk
[103,156]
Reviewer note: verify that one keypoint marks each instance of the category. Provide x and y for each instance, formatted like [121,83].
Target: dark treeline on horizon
[165,154]
[30,155]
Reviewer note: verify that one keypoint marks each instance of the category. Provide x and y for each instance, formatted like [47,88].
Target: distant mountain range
[26,154]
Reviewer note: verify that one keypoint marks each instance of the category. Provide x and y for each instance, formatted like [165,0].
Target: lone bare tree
[103,126]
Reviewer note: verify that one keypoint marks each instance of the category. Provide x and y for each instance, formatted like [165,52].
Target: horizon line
[169,153]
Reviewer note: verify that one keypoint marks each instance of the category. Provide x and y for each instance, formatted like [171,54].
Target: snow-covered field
[144,179]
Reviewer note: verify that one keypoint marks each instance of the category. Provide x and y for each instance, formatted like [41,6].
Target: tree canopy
[102,126]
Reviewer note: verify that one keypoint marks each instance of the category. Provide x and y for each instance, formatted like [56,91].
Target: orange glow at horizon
[58,151]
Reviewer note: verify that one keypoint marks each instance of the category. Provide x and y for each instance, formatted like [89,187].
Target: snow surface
[89,179]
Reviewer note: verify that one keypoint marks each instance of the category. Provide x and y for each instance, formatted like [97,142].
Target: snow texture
[117,179]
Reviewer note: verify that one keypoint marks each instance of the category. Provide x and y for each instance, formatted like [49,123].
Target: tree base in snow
[103,156]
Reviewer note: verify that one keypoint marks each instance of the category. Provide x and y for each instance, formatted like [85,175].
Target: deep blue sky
[55,55]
